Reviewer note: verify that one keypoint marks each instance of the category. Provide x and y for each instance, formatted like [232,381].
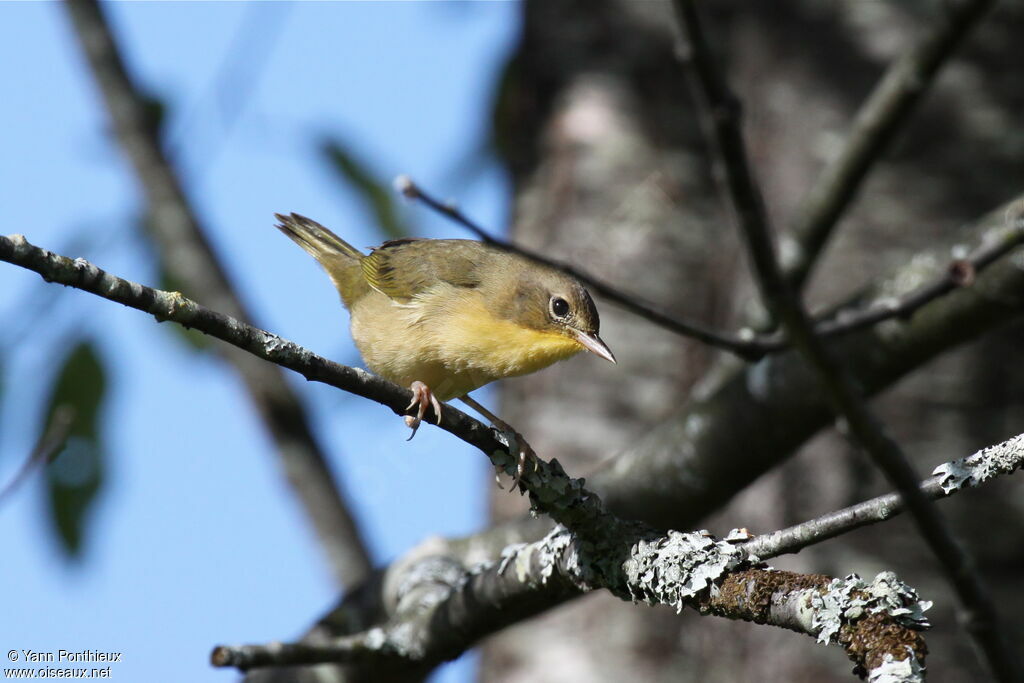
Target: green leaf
[377,195]
[76,472]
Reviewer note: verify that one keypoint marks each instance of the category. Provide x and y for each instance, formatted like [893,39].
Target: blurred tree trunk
[611,172]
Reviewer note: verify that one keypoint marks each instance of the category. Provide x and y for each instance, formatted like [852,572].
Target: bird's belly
[398,346]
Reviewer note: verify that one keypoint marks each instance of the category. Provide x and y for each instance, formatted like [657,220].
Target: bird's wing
[406,268]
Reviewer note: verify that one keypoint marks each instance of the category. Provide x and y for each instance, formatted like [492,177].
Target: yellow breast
[453,343]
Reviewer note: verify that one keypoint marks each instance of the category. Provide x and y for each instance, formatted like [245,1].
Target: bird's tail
[318,241]
[339,258]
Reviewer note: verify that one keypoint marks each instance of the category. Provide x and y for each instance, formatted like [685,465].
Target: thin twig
[961,272]
[747,344]
[980,613]
[191,261]
[882,115]
[359,647]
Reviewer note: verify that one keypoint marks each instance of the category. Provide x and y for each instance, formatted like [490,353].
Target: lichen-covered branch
[748,422]
[189,260]
[601,551]
[847,400]
[478,598]
[876,623]
[948,478]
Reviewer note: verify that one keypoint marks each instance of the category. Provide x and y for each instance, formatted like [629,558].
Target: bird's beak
[593,343]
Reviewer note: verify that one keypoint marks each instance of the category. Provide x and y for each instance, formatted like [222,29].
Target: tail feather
[339,258]
[318,241]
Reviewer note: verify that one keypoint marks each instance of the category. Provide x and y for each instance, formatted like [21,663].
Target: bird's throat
[504,348]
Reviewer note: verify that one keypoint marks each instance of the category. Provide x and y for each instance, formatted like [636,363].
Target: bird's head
[553,303]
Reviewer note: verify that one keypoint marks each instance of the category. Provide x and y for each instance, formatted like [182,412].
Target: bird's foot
[422,396]
[524,454]
[515,441]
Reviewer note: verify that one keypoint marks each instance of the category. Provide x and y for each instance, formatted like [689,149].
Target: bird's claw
[524,454]
[422,396]
[412,423]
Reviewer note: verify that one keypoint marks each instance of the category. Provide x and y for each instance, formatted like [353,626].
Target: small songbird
[445,317]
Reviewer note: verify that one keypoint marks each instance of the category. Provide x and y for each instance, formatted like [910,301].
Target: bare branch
[190,258]
[748,344]
[881,116]
[961,272]
[361,647]
[980,612]
[175,307]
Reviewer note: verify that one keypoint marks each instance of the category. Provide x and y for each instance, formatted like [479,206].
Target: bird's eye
[559,307]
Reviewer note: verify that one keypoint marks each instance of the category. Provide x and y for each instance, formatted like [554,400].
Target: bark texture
[611,172]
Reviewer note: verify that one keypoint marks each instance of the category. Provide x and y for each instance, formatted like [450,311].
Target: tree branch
[173,306]
[948,478]
[590,549]
[980,612]
[750,418]
[720,441]
[551,491]
[674,569]
[479,598]
[358,648]
[960,272]
[747,344]
[882,115]
[191,261]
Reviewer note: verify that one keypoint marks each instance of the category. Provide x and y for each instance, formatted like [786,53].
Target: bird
[444,317]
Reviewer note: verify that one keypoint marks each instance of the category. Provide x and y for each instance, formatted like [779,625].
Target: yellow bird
[445,317]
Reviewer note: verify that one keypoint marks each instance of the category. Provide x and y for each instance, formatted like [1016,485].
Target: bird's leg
[515,439]
[422,396]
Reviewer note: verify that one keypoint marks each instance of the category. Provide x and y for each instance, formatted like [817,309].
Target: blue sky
[195,539]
